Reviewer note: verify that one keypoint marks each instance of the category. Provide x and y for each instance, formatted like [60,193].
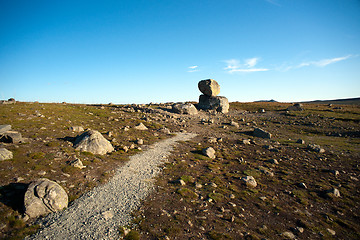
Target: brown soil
[223,208]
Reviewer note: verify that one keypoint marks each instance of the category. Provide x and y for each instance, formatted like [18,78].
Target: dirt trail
[99,213]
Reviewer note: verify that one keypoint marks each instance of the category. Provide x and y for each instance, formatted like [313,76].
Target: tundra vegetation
[198,197]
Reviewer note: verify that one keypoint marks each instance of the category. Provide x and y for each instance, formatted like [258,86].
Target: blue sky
[141,51]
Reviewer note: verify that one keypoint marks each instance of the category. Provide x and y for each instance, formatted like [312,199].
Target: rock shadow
[12,195]
[68,139]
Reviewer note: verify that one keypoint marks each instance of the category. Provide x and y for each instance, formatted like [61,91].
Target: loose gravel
[99,214]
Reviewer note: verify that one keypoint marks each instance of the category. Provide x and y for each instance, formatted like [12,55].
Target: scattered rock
[212,140]
[258,132]
[288,235]
[180,182]
[5,154]
[209,152]
[4,128]
[218,103]
[267,172]
[185,108]
[209,87]
[11,137]
[139,141]
[249,181]
[296,107]
[300,141]
[44,196]
[77,128]
[316,148]
[141,127]
[334,192]
[332,232]
[92,141]
[273,161]
[77,163]
[235,124]
[246,141]
[302,185]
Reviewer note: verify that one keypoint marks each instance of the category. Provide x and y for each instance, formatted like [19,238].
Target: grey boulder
[209,87]
[92,141]
[44,196]
[296,107]
[258,132]
[218,103]
[185,108]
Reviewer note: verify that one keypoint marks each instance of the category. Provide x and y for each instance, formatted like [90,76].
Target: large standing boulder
[44,196]
[92,141]
[185,108]
[5,154]
[218,103]
[209,87]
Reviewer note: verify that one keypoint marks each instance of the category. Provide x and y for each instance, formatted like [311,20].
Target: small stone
[213,185]
[77,128]
[209,152]
[232,196]
[302,185]
[19,179]
[288,235]
[212,140]
[141,127]
[246,141]
[332,232]
[125,148]
[235,124]
[273,161]
[316,148]
[181,182]
[300,141]
[334,192]
[198,185]
[77,163]
[140,141]
[249,181]
[42,173]
[299,229]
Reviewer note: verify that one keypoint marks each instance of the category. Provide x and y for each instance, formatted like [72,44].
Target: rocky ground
[306,174]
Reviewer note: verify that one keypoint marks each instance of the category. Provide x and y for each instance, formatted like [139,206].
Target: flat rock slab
[98,214]
[4,128]
[5,154]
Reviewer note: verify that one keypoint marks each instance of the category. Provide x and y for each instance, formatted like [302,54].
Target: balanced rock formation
[185,108]
[209,99]
[92,141]
[44,196]
[209,87]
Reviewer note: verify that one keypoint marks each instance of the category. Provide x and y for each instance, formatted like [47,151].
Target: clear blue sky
[141,51]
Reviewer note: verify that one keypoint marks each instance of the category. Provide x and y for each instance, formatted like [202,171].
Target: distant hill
[352,101]
[272,100]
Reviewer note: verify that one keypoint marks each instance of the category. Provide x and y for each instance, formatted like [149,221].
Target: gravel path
[99,213]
